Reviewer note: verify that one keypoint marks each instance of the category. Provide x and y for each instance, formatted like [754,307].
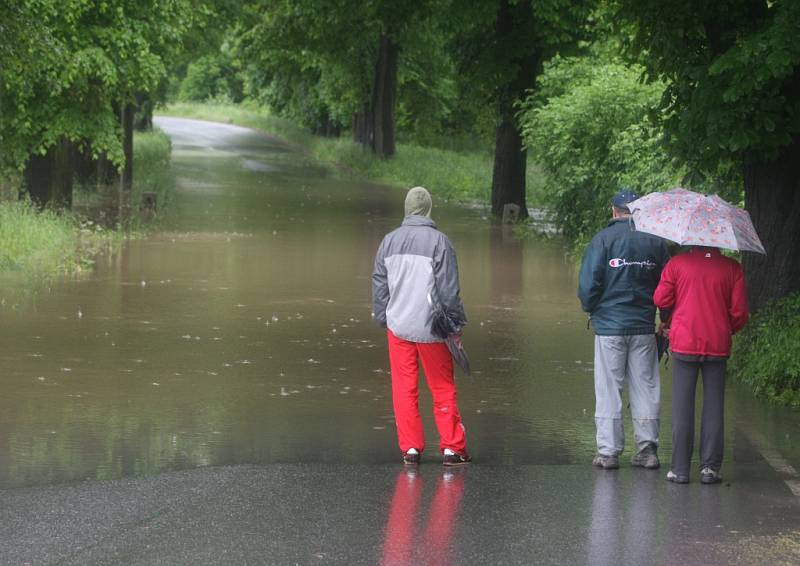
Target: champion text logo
[619,262]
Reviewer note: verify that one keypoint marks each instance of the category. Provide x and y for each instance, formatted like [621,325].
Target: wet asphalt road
[328,514]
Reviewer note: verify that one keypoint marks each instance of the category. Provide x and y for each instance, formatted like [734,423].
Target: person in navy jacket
[620,270]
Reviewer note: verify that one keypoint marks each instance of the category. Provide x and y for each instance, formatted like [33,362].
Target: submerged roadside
[37,245]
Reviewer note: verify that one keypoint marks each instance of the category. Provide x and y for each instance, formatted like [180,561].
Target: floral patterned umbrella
[692,219]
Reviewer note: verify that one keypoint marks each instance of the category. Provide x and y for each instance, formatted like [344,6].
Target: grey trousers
[615,358]
[684,384]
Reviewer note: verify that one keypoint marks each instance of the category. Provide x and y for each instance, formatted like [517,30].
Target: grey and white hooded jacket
[411,260]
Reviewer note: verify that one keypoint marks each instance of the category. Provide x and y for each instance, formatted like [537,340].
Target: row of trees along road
[342,58]
[432,69]
[71,72]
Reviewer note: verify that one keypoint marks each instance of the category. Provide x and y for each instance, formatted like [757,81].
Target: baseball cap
[623,198]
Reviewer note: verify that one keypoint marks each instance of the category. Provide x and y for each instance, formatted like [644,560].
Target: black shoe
[709,476]
[675,478]
[411,459]
[456,459]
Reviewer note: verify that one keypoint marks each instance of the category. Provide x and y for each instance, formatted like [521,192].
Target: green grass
[151,168]
[449,174]
[44,244]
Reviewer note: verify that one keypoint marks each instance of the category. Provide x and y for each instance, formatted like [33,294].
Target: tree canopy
[732,70]
[74,61]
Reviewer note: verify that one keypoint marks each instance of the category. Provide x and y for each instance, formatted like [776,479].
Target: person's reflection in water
[624,521]
[694,520]
[401,544]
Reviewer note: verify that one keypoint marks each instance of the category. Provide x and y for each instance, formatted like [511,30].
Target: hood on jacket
[418,202]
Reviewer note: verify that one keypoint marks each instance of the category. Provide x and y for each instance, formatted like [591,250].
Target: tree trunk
[361,125]
[772,197]
[508,176]
[383,95]
[143,120]
[510,158]
[48,177]
[126,118]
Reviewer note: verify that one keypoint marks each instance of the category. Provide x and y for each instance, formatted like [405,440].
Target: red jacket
[706,292]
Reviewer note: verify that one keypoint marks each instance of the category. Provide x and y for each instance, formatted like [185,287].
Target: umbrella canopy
[692,219]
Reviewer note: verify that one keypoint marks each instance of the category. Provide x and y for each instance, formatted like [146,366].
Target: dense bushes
[766,355]
[587,125]
[211,77]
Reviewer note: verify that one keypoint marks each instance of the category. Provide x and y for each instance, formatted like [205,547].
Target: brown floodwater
[241,333]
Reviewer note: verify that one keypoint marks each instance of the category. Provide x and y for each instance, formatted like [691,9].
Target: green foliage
[732,72]
[314,62]
[77,60]
[588,127]
[310,60]
[766,356]
[211,77]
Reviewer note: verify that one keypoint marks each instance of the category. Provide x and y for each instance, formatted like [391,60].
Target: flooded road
[241,334]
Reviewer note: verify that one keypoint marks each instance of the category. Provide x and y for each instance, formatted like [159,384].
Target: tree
[501,47]
[337,58]
[89,63]
[733,73]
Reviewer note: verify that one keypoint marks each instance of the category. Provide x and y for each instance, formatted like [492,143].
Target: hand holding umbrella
[447,327]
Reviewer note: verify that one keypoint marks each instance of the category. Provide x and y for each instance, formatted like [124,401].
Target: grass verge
[42,244]
[151,168]
[465,176]
[46,243]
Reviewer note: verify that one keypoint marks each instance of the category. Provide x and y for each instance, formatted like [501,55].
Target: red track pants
[438,367]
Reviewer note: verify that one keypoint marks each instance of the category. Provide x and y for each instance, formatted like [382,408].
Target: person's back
[416,258]
[707,294]
[706,290]
[621,270]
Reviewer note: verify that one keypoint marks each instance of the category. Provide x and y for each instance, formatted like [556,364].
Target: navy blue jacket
[620,271]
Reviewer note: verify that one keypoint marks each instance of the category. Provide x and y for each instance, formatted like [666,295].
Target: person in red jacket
[706,293]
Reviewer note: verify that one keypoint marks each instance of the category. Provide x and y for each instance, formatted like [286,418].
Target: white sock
[412,451]
[448,452]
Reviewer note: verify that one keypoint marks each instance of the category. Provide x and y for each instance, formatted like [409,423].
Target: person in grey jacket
[414,262]
[619,273]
